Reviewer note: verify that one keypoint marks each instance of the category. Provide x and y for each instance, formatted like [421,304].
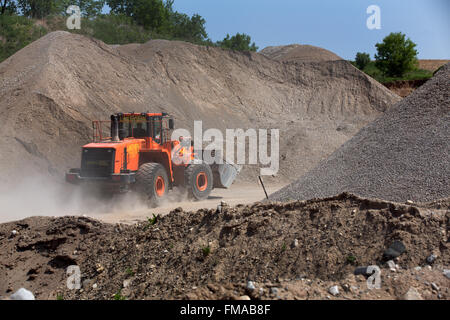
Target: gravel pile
[316,105]
[403,155]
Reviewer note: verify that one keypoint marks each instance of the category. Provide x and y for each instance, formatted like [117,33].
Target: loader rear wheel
[198,181]
[152,183]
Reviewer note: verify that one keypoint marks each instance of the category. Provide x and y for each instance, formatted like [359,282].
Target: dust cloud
[43,196]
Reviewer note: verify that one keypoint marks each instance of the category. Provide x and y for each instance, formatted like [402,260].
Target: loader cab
[149,126]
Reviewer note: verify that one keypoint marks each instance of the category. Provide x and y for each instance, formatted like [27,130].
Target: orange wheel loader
[137,156]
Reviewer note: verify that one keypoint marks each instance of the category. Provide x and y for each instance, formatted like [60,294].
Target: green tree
[188,28]
[37,8]
[89,8]
[151,14]
[362,60]
[17,32]
[7,7]
[396,55]
[239,42]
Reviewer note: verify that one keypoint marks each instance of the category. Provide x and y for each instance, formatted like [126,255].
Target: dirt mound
[403,155]
[52,89]
[268,243]
[299,53]
[404,87]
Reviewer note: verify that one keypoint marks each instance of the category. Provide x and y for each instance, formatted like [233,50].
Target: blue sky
[339,26]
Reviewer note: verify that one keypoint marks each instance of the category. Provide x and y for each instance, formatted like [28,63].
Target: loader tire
[152,183]
[198,181]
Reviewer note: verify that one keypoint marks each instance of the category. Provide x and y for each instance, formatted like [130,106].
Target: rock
[126,283]
[409,202]
[418,268]
[22,294]
[13,233]
[360,271]
[446,273]
[392,266]
[222,206]
[346,288]
[334,290]
[431,259]
[250,286]
[94,286]
[244,298]
[434,286]
[412,294]
[274,290]
[396,249]
[295,243]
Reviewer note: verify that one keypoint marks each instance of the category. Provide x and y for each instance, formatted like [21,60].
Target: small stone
[346,288]
[434,286]
[22,294]
[354,211]
[126,283]
[412,294]
[274,290]
[295,243]
[431,259]
[94,286]
[244,298]
[13,233]
[251,286]
[396,249]
[418,268]
[360,270]
[409,202]
[446,273]
[334,290]
[392,266]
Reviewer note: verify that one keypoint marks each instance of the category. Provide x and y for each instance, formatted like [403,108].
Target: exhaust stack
[115,128]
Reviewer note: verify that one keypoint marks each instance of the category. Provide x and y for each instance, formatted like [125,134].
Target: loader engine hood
[106,158]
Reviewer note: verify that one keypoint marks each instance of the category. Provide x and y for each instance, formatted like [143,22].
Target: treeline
[129,21]
[396,59]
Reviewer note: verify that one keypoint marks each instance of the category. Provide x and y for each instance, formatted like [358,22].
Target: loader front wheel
[198,181]
[152,183]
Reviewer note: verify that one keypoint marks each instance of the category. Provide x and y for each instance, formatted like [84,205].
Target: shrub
[396,55]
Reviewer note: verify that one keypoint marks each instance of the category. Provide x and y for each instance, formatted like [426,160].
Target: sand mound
[208,249]
[299,53]
[52,89]
[403,155]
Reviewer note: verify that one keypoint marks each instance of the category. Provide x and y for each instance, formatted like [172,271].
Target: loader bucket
[224,174]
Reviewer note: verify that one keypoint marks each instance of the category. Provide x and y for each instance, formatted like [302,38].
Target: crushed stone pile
[51,90]
[299,53]
[403,155]
[214,253]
